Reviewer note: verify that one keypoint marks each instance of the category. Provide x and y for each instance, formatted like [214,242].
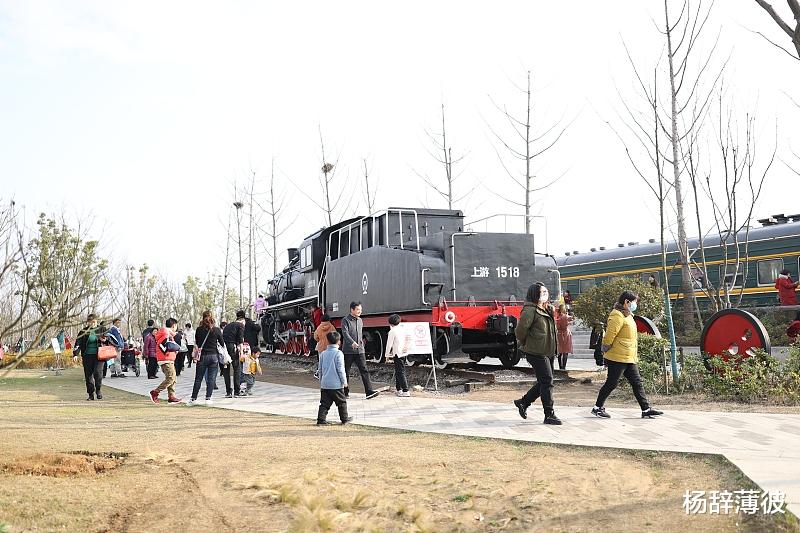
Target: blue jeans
[207,367]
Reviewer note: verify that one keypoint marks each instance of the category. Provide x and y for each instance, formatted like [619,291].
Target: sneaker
[523,411]
[174,399]
[399,393]
[99,396]
[229,395]
[90,399]
[209,401]
[120,375]
[406,394]
[600,412]
[324,423]
[113,376]
[651,413]
[371,395]
[347,420]
[552,420]
[154,396]
[191,402]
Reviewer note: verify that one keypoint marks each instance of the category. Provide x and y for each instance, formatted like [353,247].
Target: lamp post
[239,205]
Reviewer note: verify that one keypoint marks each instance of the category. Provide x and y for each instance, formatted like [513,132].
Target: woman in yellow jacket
[620,350]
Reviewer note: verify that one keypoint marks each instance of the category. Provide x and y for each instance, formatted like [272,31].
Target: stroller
[130,359]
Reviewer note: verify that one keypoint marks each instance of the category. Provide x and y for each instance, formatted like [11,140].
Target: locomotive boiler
[423,264]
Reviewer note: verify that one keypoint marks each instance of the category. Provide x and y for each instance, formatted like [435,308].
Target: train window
[768,271]
[738,282]
[305,256]
[586,284]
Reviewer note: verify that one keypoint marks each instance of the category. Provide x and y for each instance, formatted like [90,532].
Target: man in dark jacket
[353,347]
[233,335]
[251,331]
[149,349]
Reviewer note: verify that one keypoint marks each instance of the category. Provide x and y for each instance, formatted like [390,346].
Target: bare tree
[446,190]
[649,134]
[526,145]
[369,196]
[732,207]
[328,170]
[792,33]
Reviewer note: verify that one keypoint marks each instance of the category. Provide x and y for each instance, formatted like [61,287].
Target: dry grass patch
[55,464]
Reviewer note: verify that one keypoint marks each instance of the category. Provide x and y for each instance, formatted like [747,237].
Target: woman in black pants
[536,336]
[620,349]
[205,355]
[87,344]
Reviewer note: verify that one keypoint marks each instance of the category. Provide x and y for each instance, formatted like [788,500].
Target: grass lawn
[143,467]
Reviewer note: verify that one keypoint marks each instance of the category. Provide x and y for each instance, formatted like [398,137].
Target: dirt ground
[571,393]
[144,467]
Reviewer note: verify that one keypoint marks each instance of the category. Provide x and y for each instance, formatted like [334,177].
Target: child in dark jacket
[332,381]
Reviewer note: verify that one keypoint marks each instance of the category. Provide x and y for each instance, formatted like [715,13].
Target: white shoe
[209,402]
[190,402]
[406,394]
[399,393]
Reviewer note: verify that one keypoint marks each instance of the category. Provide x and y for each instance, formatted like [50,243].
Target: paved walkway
[764,446]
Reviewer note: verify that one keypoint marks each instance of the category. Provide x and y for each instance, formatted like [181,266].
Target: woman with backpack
[205,356]
[536,335]
[620,350]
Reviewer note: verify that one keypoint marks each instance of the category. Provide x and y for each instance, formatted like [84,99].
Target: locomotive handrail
[453,254]
[422,281]
[506,215]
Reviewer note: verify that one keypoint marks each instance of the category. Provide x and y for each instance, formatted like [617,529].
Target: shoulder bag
[222,355]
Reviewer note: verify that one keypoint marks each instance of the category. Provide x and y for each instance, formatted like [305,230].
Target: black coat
[251,331]
[234,332]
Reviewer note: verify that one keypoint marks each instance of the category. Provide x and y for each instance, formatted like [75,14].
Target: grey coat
[352,331]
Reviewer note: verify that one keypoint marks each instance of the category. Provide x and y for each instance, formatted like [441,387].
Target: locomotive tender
[422,264]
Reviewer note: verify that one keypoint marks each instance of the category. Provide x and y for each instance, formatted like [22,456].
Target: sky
[145,116]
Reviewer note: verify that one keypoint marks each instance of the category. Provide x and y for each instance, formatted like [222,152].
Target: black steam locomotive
[468,287]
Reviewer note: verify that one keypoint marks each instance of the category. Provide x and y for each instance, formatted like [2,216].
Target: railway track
[453,375]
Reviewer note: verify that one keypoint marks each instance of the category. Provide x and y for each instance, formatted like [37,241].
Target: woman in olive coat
[621,353]
[536,337]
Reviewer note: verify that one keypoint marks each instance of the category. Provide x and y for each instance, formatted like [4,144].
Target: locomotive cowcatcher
[422,264]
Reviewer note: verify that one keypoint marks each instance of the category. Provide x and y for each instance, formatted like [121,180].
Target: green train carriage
[771,248]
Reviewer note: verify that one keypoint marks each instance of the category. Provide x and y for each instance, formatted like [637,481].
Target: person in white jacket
[398,345]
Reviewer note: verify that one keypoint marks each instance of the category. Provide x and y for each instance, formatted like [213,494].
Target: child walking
[250,367]
[332,381]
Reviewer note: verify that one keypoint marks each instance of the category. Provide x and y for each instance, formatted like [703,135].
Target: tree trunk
[683,248]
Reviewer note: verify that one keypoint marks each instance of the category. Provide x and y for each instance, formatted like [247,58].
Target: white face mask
[544,296]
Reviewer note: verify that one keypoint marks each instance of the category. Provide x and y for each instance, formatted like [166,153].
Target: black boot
[551,419]
[522,408]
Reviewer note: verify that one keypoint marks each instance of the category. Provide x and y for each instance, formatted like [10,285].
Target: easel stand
[432,374]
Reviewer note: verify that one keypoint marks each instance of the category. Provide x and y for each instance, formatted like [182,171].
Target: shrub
[759,378]
[594,305]
[38,359]
[651,348]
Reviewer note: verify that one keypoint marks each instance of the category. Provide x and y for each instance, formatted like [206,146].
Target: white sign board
[56,345]
[420,337]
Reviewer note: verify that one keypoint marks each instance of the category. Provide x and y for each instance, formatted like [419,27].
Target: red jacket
[149,345]
[162,336]
[786,288]
[793,330]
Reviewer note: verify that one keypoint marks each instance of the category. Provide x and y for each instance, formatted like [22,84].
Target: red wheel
[645,325]
[292,339]
[309,339]
[288,346]
[300,338]
[279,344]
[733,332]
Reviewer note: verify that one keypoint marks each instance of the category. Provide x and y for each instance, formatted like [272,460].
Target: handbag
[222,356]
[106,353]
